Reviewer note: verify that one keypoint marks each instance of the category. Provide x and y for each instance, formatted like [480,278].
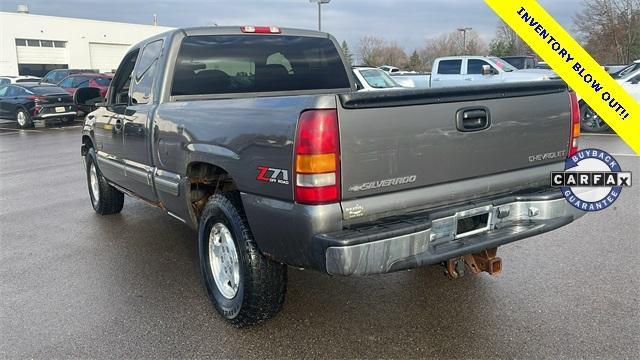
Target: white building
[34,44]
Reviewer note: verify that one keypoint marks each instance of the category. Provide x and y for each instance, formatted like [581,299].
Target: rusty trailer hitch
[483,261]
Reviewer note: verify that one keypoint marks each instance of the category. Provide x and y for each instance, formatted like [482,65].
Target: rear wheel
[105,199]
[590,121]
[69,119]
[245,287]
[24,119]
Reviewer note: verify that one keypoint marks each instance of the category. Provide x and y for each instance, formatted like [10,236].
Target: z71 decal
[273,175]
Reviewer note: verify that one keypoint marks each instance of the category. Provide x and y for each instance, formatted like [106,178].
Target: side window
[120,92]
[474,66]
[145,73]
[4,81]
[66,83]
[80,81]
[18,91]
[3,91]
[448,67]
[57,76]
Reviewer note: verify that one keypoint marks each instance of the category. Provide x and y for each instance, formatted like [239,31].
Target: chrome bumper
[62,114]
[507,222]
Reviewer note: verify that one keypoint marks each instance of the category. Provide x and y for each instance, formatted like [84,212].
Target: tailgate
[397,141]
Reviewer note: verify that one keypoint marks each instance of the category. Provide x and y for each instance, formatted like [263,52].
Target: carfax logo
[592,180]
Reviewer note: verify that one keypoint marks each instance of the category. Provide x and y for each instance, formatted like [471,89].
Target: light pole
[464,39]
[320,2]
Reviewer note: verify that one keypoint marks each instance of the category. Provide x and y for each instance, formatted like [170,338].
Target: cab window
[474,66]
[449,67]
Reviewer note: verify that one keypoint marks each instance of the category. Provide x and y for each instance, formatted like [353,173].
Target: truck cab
[477,70]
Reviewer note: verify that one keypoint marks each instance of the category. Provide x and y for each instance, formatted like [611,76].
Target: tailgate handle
[473,119]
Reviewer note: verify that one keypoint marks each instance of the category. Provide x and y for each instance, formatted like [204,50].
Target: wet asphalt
[75,284]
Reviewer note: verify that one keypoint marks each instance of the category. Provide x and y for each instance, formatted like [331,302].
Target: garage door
[41,55]
[106,57]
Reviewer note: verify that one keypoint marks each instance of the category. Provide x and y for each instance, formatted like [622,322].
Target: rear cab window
[449,67]
[235,64]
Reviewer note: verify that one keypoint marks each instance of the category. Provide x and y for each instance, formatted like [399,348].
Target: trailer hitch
[483,261]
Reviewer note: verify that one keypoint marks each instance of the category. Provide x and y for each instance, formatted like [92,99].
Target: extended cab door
[448,73]
[136,121]
[108,128]
[474,74]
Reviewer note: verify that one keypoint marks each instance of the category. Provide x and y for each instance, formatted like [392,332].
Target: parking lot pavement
[74,284]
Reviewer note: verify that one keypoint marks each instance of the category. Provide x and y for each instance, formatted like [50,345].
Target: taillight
[575,123]
[35,98]
[261,29]
[317,157]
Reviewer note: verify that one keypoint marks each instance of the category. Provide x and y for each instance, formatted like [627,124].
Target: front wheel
[105,199]
[245,287]
[590,121]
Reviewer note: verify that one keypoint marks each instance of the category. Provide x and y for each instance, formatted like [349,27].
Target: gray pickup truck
[257,138]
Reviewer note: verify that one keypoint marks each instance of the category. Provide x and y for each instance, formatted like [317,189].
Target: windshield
[501,64]
[627,71]
[378,79]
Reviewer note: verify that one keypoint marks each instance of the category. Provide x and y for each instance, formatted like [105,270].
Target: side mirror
[88,99]
[486,70]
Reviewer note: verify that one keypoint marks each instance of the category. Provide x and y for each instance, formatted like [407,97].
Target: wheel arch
[202,180]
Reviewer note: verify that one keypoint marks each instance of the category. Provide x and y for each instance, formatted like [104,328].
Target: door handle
[473,119]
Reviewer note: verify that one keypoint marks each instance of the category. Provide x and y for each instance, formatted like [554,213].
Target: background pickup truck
[257,138]
[470,71]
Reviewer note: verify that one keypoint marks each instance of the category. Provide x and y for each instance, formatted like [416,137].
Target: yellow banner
[574,65]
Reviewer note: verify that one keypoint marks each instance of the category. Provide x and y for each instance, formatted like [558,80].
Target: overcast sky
[409,22]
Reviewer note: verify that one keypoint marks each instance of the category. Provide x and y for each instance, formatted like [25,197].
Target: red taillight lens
[317,157]
[261,29]
[35,98]
[575,123]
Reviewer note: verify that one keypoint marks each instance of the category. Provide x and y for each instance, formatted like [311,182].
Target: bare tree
[452,44]
[507,42]
[375,51]
[610,29]
[370,50]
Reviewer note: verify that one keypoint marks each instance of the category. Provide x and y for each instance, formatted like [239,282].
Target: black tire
[261,288]
[69,119]
[590,121]
[109,200]
[23,118]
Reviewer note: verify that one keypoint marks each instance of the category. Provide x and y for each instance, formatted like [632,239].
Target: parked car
[628,71]
[389,69]
[4,80]
[374,79]
[521,62]
[590,121]
[26,102]
[257,138]
[543,65]
[72,82]
[55,76]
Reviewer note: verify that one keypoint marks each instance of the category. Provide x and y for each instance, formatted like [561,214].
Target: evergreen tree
[347,53]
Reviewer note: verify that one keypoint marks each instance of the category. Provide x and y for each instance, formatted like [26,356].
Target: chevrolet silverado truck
[257,138]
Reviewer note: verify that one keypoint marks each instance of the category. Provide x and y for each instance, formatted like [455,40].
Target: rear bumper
[56,115]
[317,237]
[396,246]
